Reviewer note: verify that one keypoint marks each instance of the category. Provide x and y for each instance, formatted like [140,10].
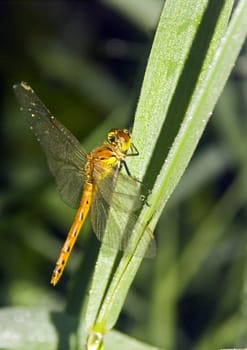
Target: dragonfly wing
[69,182]
[116,225]
[121,191]
[63,151]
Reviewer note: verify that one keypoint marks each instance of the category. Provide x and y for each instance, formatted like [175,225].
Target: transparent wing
[119,189]
[63,151]
[113,219]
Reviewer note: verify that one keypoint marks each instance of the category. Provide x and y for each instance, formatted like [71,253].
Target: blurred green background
[86,61]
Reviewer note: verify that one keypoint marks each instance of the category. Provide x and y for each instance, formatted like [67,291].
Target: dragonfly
[89,181]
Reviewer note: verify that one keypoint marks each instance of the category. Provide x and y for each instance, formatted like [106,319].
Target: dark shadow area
[65,326]
[81,278]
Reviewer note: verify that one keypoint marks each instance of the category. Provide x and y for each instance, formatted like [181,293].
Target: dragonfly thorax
[110,155]
[102,161]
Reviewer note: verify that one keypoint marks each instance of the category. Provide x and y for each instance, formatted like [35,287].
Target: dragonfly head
[120,138]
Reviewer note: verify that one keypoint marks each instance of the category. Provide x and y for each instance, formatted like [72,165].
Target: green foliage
[35,329]
[189,296]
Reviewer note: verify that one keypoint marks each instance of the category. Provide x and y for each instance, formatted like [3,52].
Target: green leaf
[35,329]
[190,61]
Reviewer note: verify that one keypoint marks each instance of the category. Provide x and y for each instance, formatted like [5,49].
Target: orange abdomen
[79,220]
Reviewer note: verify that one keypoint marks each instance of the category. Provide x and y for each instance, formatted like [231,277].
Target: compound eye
[111,138]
